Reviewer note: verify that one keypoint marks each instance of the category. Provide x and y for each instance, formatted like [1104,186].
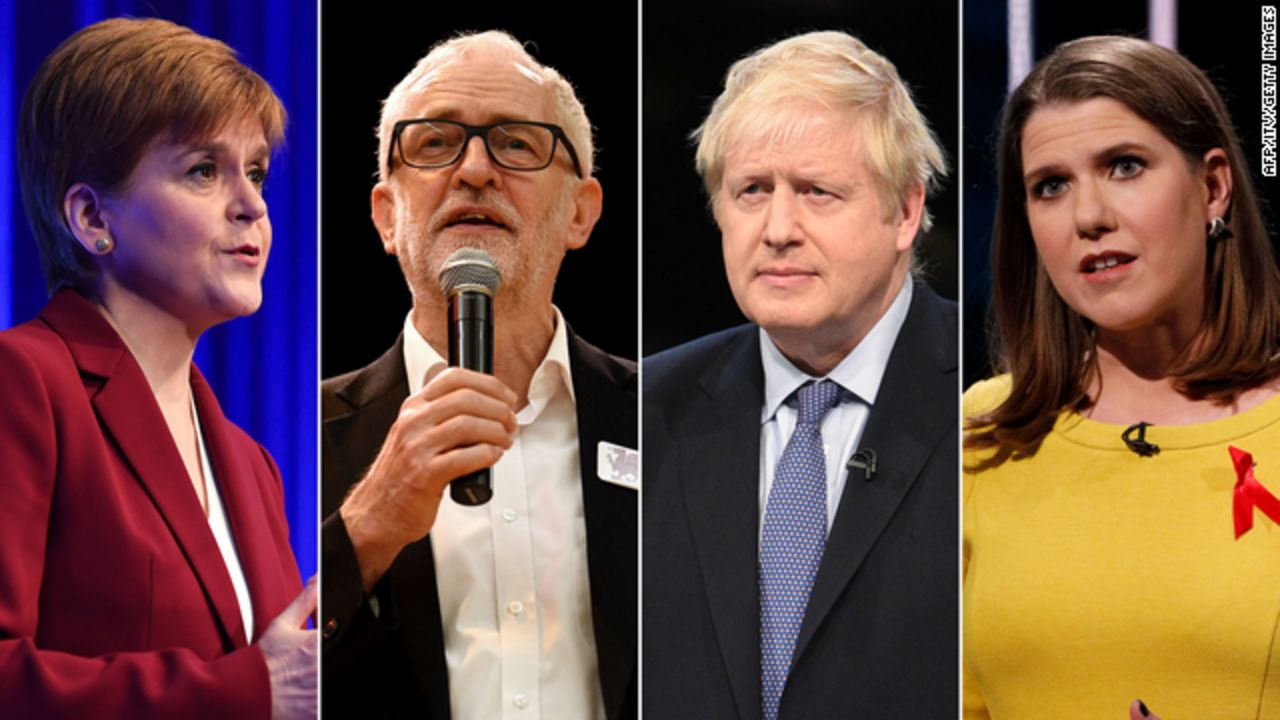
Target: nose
[247,203]
[1093,213]
[476,168]
[781,221]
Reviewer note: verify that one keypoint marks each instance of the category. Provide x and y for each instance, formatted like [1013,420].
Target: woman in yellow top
[1108,560]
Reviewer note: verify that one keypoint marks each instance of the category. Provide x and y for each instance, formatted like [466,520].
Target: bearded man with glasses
[525,605]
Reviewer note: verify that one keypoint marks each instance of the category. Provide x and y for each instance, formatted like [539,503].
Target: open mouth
[1097,263]
[472,218]
[247,251]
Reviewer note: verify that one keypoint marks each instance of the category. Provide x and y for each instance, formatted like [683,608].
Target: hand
[290,651]
[461,421]
[1138,711]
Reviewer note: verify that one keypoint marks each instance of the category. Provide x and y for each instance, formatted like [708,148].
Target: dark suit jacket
[114,600]
[879,637]
[393,665]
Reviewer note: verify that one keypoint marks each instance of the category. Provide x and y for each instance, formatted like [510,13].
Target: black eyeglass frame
[481,131]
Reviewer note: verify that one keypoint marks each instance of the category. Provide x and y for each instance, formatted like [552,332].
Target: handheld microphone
[469,279]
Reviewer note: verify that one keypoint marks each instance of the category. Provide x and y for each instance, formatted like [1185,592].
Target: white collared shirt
[511,574]
[859,374]
[221,529]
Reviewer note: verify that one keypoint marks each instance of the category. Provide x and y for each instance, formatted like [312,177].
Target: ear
[1217,182]
[383,203]
[84,213]
[912,211]
[588,201]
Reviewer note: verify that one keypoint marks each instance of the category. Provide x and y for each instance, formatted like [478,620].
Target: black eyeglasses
[434,143]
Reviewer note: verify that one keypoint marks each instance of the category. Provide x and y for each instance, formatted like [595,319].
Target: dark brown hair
[1046,346]
[99,102]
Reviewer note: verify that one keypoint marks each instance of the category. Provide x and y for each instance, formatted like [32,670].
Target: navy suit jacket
[879,637]
[393,665]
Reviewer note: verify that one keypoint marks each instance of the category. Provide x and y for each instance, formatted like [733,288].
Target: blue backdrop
[263,368]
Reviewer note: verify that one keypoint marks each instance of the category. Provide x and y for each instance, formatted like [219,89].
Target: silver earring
[1218,229]
[102,245]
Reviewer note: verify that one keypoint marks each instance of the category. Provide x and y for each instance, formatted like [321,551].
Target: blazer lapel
[374,395]
[606,408]
[127,409]
[371,402]
[921,369]
[247,516]
[720,463]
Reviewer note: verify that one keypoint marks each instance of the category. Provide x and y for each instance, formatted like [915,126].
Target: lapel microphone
[865,460]
[469,279]
[1140,446]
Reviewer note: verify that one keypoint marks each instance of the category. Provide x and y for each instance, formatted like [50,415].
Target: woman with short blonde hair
[145,570]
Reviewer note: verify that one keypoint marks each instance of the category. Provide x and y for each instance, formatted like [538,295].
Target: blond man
[800,470]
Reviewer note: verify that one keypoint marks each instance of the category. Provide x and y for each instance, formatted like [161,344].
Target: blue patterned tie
[795,531]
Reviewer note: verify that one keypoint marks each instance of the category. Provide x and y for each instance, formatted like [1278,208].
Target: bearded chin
[528,259]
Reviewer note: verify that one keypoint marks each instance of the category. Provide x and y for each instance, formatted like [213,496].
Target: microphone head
[472,269]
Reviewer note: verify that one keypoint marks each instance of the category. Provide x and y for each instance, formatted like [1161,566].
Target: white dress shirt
[859,374]
[511,574]
[221,529]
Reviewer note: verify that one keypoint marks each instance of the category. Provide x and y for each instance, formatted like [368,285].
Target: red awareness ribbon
[1250,493]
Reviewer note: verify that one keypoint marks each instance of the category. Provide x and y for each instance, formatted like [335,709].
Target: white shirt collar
[552,373]
[860,372]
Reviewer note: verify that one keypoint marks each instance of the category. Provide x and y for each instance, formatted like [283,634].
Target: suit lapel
[247,516]
[129,415]
[921,369]
[719,456]
[606,410]
[372,399]
[374,395]
[605,394]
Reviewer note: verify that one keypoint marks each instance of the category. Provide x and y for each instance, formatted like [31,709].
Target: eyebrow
[261,152]
[1099,158]
[803,176]
[492,119]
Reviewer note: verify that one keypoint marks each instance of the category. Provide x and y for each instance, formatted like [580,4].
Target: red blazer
[114,600]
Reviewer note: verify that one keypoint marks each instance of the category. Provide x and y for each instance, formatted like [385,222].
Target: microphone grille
[469,266]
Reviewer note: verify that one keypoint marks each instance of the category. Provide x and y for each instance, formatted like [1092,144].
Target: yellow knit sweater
[1094,576]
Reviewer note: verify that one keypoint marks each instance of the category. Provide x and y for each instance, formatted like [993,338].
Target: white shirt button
[509,515]
[515,607]
[520,701]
